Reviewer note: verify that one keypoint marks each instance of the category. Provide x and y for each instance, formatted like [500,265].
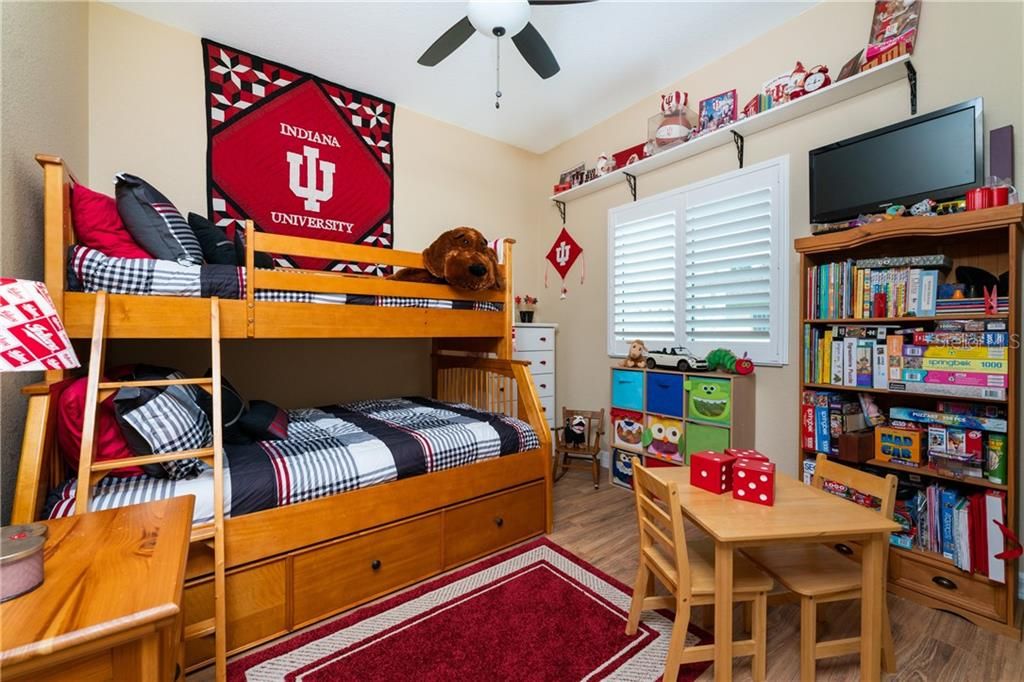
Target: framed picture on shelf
[718,111]
[574,175]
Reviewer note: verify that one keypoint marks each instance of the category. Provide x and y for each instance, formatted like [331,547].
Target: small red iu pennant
[563,255]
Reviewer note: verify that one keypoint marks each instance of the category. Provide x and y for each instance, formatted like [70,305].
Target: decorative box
[711,471]
[856,446]
[629,155]
[21,559]
[754,481]
[746,453]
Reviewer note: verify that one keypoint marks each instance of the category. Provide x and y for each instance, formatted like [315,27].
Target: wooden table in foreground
[110,604]
[801,514]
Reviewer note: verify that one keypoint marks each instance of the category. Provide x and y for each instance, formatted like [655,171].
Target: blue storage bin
[628,389]
[665,393]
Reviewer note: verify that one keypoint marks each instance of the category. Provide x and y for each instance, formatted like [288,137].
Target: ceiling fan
[497,19]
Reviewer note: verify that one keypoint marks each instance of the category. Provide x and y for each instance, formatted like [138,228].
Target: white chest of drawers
[535,342]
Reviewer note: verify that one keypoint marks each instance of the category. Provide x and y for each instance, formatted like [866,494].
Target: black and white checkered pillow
[154,222]
[163,419]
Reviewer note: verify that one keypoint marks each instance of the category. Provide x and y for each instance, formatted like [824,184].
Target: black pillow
[220,250]
[216,246]
[265,421]
[154,222]
[232,410]
[260,260]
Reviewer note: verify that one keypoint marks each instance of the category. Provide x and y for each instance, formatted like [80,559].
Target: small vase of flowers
[526,305]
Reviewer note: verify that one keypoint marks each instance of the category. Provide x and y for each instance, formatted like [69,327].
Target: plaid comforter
[328,450]
[90,271]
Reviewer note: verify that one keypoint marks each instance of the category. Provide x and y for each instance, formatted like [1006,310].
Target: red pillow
[98,225]
[110,444]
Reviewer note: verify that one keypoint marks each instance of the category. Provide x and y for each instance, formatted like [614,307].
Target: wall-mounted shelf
[736,133]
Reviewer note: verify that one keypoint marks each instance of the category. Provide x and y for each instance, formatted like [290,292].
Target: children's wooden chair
[566,454]
[688,571]
[820,574]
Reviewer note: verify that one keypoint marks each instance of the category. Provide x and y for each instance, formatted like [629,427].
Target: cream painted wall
[965,50]
[146,116]
[43,93]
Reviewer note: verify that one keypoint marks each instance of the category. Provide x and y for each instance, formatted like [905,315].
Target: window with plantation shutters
[643,253]
[704,266]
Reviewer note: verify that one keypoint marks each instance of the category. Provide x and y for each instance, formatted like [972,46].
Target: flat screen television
[937,155]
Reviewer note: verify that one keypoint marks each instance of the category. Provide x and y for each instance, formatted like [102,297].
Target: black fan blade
[449,41]
[536,52]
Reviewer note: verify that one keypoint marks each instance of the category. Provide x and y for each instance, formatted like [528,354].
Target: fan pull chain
[497,91]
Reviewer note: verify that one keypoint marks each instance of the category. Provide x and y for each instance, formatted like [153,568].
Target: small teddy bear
[637,356]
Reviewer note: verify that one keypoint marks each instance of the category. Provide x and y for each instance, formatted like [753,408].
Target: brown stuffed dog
[460,257]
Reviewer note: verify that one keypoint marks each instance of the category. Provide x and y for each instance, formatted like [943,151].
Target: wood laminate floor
[600,527]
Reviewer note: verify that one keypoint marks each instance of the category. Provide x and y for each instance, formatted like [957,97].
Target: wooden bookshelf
[988,239]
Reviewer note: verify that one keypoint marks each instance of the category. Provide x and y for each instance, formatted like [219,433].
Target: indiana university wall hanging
[298,155]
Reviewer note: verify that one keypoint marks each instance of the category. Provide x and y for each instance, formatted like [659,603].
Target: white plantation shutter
[728,260]
[642,290]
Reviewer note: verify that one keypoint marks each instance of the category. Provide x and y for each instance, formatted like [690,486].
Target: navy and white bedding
[328,450]
[90,271]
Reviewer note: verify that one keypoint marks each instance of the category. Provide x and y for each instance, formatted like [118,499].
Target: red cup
[1000,195]
[978,198]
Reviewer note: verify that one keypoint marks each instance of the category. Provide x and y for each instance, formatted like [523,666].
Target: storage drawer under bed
[480,527]
[255,608]
[340,574]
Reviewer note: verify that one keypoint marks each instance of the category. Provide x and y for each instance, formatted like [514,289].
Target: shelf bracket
[631,181]
[561,210]
[738,141]
[912,79]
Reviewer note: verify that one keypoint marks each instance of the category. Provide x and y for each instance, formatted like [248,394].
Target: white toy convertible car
[676,358]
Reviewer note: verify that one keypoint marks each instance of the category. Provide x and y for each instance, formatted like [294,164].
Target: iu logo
[562,254]
[309,191]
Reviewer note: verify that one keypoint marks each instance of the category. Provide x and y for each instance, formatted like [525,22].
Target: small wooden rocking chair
[565,454]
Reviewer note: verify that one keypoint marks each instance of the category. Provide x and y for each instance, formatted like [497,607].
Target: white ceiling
[612,53]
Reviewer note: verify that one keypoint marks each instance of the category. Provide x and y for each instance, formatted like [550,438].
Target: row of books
[948,362]
[846,356]
[849,289]
[961,527]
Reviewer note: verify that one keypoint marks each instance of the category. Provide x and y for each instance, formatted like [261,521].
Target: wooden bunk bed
[293,565]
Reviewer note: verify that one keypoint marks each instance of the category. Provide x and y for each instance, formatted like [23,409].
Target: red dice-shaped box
[754,481]
[711,471]
[746,453]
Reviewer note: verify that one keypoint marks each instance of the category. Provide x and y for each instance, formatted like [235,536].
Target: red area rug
[536,612]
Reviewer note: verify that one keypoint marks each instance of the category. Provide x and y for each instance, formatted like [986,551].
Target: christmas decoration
[562,256]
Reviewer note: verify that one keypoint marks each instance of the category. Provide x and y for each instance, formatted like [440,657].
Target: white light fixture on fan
[497,18]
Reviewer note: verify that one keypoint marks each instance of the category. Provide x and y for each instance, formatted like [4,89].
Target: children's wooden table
[110,604]
[801,514]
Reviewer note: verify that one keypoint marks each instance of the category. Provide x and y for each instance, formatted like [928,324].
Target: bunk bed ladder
[90,472]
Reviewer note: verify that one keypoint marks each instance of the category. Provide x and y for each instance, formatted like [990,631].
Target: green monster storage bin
[708,400]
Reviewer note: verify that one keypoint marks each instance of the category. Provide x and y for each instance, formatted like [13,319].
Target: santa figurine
[674,127]
[603,165]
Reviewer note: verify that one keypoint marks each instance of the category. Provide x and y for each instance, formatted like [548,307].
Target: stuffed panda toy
[576,431]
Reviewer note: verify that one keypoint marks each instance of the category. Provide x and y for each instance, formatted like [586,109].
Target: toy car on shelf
[676,357]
